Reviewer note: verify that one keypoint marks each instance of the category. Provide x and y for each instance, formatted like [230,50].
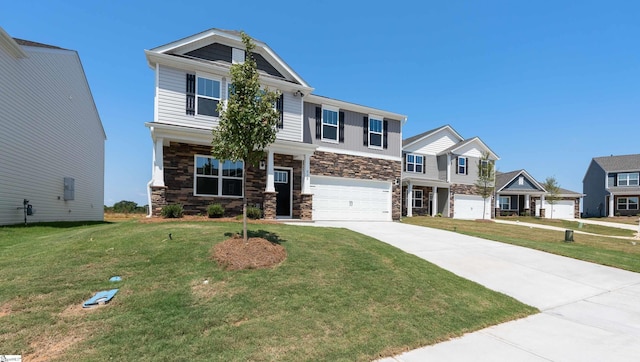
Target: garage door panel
[471,207]
[350,199]
[562,209]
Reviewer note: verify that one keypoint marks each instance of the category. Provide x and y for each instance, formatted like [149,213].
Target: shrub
[172,211]
[215,210]
[254,213]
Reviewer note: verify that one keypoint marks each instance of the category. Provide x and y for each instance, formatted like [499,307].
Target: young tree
[553,189]
[485,183]
[247,123]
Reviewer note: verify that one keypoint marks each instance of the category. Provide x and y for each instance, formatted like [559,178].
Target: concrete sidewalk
[589,312]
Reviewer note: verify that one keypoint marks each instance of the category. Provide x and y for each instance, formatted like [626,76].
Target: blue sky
[546,84]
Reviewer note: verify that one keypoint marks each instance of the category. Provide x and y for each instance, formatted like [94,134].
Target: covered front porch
[425,197]
[520,204]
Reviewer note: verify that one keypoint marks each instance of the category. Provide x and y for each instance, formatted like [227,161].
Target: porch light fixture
[298,93]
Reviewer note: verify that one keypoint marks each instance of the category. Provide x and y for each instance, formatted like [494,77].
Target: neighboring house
[518,193]
[52,139]
[612,187]
[332,160]
[440,169]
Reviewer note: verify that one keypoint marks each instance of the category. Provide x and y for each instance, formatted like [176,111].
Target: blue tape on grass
[102,297]
[115,279]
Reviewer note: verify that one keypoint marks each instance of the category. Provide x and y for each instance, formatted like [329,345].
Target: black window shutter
[424,164]
[457,165]
[466,166]
[385,135]
[280,108]
[365,131]
[191,94]
[318,123]
[404,162]
[341,127]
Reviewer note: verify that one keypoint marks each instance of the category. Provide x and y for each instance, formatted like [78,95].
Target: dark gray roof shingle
[30,43]
[619,163]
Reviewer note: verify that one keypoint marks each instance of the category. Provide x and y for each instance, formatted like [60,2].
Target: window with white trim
[330,124]
[415,163]
[628,203]
[217,178]
[628,179]
[505,203]
[462,165]
[417,199]
[280,177]
[484,168]
[375,132]
[208,96]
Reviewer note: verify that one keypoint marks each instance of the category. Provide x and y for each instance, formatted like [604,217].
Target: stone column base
[306,205]
[269,205]
[158,199]
[543,213]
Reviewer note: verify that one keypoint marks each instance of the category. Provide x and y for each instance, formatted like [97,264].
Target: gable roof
[30,43]
[10,45]
[457,146]
[619,163]
[423,135]
[229,37]
[503,179]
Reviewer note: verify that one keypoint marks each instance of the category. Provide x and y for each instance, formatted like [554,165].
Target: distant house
[612,187]
[332,159]
[52,139]
[440,169]
[518,193]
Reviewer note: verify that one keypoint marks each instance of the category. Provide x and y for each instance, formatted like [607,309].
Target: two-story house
[440,169]
[332,160]
[51,138]
[611,186]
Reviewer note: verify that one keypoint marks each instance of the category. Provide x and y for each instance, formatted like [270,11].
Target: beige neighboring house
[52,139]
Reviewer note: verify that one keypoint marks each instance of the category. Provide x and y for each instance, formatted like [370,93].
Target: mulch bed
[257,253]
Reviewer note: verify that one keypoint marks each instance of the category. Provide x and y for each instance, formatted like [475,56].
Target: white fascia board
[169,132]
[359,154]
[292,147]
[312,98]
[417,181]
[13,48]
[482,145]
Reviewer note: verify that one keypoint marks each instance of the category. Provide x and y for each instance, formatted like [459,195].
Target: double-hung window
[505,203]
[217,178]
[208,96]
[628,179]
[627,203]
[375,132]
[462,165]
[415,163]
[329,124]
[417,199]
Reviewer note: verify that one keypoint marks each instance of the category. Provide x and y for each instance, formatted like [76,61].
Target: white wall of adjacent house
[50,131]
[562,209]
[171,104]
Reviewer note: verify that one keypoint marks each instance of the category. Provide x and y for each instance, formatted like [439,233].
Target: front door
[282,183]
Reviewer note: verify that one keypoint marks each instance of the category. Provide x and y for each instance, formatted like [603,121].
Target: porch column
[434,201]
[611,205]
[157,178]
[527,204]
[270,186]
[410,199]
[543,212]
[306,178]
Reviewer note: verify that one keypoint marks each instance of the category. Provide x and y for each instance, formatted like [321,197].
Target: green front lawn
[338,296]
[575,225]
[615,252]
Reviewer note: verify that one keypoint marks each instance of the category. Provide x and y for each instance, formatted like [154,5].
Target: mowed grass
[600,249]
[338,296]
[576,225]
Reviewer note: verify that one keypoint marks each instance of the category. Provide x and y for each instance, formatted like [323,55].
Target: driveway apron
[589,312]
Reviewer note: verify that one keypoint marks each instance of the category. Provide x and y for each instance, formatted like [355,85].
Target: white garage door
[562,209]
[470,207]
[336,198]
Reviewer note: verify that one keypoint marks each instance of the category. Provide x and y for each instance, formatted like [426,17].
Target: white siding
[292,129]
[436,143]
[50,130]
[470,150]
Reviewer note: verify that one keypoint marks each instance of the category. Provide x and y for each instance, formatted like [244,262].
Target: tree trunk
[244,204]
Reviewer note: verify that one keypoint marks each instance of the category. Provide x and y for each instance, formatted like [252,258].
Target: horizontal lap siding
[292,129]
[50,130]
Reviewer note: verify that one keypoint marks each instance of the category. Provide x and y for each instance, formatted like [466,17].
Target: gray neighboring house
[518,193]
[52,139]
[611,186]
[439,172]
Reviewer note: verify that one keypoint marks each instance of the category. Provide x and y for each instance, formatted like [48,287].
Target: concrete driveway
[589,312]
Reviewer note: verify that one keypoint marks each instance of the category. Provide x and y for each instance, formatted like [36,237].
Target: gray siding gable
[220,52]
[509,181]
[527,185]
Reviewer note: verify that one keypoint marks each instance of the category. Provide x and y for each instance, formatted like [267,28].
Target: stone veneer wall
[179,174]
[424,210]
[357,167]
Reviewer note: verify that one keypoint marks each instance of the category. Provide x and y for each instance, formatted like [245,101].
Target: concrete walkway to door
[589,312]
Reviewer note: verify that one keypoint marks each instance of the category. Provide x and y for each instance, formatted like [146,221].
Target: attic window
[520,180]
[237,56]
